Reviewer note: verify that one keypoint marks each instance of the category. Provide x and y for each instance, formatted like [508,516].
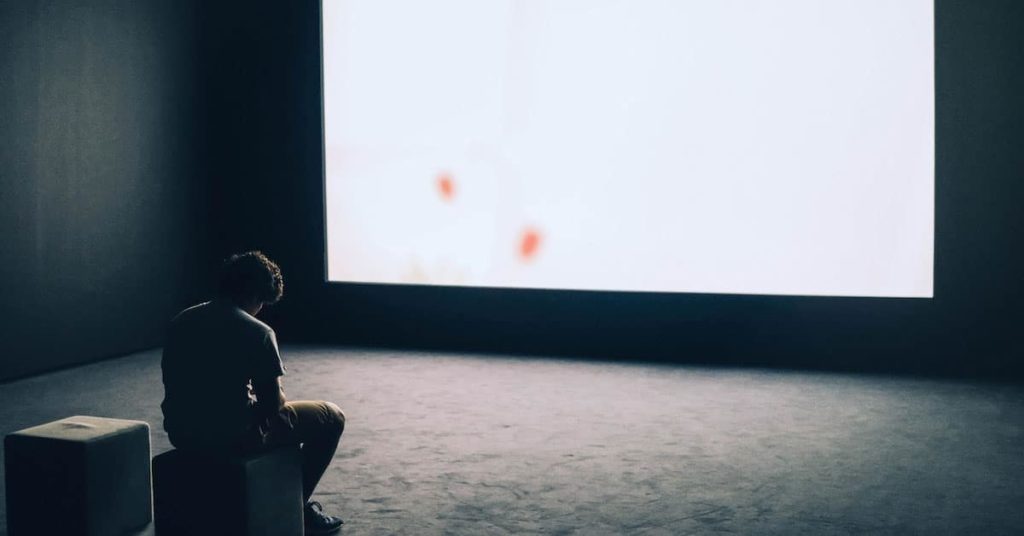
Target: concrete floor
[450,444]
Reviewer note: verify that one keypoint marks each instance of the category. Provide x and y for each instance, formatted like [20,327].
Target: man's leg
[317,426]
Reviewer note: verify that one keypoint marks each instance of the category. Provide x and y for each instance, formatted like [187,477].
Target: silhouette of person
[222,382]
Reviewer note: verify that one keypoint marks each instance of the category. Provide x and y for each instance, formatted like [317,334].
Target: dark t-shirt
[213,354]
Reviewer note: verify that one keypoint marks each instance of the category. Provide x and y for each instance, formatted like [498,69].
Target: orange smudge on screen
[529,243]
[446,186]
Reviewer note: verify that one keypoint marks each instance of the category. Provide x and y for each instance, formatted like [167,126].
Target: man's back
[213,351]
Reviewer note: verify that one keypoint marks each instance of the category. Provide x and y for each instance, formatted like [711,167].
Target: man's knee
[335,417]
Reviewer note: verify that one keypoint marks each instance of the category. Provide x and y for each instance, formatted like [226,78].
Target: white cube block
[259,494]
[85,475]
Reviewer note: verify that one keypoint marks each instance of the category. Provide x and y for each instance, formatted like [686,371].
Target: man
[222,385]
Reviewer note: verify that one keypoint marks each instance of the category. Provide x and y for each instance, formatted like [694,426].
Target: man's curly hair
[251,275]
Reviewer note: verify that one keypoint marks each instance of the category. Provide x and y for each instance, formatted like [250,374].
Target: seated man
[222,386]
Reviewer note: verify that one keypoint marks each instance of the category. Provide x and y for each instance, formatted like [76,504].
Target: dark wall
[102,197]
[269,120]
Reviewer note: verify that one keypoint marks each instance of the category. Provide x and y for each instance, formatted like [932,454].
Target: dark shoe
[317,522]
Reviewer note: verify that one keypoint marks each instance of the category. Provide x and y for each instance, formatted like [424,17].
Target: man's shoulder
[190,312]
[253,323]
[222,314]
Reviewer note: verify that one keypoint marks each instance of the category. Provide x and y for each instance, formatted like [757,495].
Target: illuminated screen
[714,146]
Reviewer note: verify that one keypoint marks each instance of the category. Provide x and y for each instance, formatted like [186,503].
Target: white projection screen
[712,146]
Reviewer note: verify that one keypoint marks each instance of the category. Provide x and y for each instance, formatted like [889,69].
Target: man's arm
[270,397]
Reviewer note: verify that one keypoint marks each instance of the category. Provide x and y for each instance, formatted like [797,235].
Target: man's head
[251,280]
